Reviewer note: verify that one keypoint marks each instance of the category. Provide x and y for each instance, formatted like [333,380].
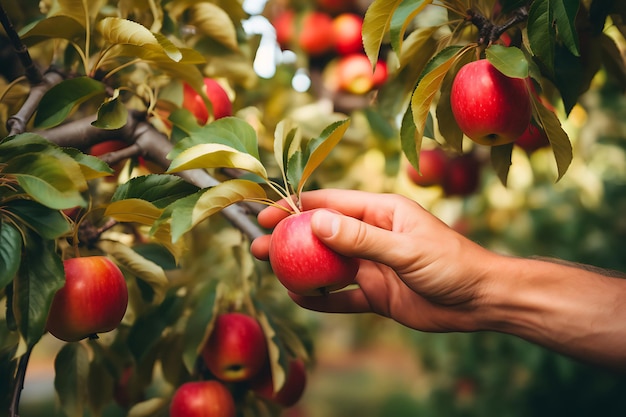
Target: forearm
[567,309]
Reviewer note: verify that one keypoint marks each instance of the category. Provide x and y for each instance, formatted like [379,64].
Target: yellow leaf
[561,145]
[215,23]
[133,210]
[376,25]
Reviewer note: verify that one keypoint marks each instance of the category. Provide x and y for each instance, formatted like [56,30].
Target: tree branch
[32,72]
[19,383]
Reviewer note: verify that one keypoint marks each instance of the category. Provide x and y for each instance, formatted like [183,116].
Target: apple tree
[143,133]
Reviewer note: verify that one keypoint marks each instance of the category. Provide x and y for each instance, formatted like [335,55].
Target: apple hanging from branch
[202,399]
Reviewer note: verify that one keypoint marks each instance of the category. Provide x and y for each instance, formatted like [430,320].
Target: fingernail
[325,223]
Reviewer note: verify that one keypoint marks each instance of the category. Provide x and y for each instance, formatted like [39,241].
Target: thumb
[354,238]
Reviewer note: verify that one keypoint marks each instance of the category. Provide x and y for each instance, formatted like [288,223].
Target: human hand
[413,267]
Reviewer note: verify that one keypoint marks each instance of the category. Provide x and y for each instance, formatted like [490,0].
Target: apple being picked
[192,101]
[489,107]
[291,391]
[433,164]
[302,263]
[93,299]
[236,349]
[202,399]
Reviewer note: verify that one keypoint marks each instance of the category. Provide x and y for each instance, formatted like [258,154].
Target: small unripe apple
[236,349]
[489,107]
[291,391]
[302,263]
[433,164]
[354,74]
[93,299]
[202,399]
[316,33]
[462,175]
[192,101]
[347,29]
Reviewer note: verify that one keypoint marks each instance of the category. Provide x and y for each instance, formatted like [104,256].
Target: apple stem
[488,32]
[19,383]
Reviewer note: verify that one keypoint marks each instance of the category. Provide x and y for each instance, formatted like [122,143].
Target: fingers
[354,238]
[346,301]
[260,247]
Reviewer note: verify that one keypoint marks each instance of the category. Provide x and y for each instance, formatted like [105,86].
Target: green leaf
[510,61]
[279,361]
[112,114]
[203,308]
[118,31]
[402,17]
[49,180]
[427,89]
[565,12]
[501,160]
[286,140]
[376,24]
[215,23]
[39,277]
[410,145]
[319,148]
[90,166]
[61,99]
[76,9]
[10,252]
[54,27]
[188,212]
[215,155]
[142,268]
[417,49]
[71,371]
[229,131]
[160,190]
[561,145]
[46,222]
[542,33]
[133,210]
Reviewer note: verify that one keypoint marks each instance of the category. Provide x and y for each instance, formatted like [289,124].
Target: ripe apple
[354,74]
[192,101]
[236,350]
[106,147]
[381,73]
[532,139]
[284,24]
[93,299]
[302,263]
[489,107]
[292,390]
[347,29]
[316,33]
[202,399]
[432,164]
[462,175]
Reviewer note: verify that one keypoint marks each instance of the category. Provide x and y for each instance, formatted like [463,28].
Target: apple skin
[192,101]
[93,299]
[336,6]
[316,33]
[106,147]
[236,350]
[347,28]
[433,164]
[354,74]
[284,24]
[532,139]
[290,393]
[381,72]
[302,263]
[462,176]
[489,107]
[202,399]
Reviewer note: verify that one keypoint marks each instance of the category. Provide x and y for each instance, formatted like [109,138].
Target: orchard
[139,140]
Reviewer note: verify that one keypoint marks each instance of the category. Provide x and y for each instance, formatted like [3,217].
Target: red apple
[93,299]
[347,29]
[532,139]
[432,164]
[106,147]
[202,399]
[236,349]
[381,73]
[462,175]
[192,101]
[302,263]
[284,24]
[354,74]
[316,33]
[291,391]
[489,107]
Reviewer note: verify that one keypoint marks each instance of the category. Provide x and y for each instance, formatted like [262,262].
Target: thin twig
[32,72]
[19,383]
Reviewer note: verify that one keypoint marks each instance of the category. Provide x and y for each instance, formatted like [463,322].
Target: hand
[413,267]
